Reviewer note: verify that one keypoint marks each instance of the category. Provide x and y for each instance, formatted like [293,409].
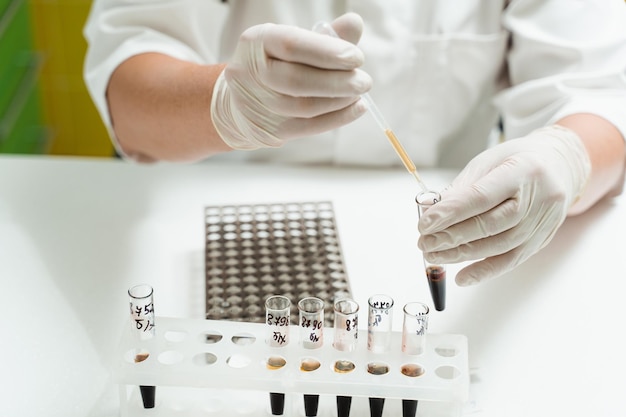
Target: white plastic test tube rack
[220,368]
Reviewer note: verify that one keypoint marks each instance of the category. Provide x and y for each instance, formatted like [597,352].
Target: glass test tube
[143,325]
[414,328]
[346,325]
[277,315]
[277,309]
[346,337]
[311,311]
[435,273]
[311,322]
[379,323]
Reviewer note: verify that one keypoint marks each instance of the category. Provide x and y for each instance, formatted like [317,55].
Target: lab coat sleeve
[119,29]
[565,57]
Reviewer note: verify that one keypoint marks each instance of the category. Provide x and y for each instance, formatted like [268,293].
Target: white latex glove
[286,82]
[506,204]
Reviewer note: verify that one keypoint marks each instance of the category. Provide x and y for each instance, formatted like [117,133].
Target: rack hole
[210,337]
[446,351]
[447,372]
[204,358]
[175,335]
[243,339]
[343,366]
[238,361]
[377,368]
[136,355]
[170,357]
[275,362]
[412,370]
[309,364]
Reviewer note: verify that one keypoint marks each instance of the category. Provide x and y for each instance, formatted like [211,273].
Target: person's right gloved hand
[286,82]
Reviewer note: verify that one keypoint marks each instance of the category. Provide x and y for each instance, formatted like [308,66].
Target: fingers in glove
[293,44]
[461,203]
[503,217]
[349,27]
[309,107]
[300,127]
[300,80]
[487,269]
[478,249]
[493,266]
[526,238]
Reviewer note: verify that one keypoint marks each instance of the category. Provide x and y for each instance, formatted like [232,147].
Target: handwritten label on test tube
[346,325]
[142,310]
[311,322]
[379,323]
[143,326]
[277,312]
[414,328]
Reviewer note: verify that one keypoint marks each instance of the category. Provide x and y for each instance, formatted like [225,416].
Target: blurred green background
[44,105]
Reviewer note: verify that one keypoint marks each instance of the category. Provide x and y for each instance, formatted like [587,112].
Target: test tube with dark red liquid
[435,273]
[277,312]
[346,337]
[142,323]
[311,311]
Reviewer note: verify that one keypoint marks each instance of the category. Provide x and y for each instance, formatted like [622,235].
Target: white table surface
[76,233]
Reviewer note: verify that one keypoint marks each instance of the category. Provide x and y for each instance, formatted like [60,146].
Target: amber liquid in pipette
[410,166]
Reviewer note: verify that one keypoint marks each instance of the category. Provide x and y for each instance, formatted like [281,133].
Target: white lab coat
[444,71]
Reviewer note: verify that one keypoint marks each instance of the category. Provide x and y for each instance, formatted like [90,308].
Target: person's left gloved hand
[506,204]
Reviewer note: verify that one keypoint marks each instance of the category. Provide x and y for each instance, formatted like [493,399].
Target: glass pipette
[326,28]
[393,139]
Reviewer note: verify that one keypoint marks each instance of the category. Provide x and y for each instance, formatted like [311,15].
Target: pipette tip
[419,181]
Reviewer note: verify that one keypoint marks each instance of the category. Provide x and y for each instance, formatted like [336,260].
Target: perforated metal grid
[255,251]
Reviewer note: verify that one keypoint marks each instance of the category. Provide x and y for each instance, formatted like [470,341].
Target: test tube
[346,325]
[277,313]
[346,337]
[311,311]
[143,327]
[435,273]
[379,322]
[414,329]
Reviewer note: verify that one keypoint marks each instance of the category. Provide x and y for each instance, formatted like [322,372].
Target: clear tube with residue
[277,312]
[379,323]
[346,325]
[277,316]
[414,328]
[143,327]
[311,322]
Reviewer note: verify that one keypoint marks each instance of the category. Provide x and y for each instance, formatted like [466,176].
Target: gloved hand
[286,82]
[506,204]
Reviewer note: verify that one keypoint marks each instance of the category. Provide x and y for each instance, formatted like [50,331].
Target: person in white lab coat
[197,79]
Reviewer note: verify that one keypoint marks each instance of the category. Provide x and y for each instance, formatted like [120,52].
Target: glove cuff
[223,118]
[575,156]
[233,127]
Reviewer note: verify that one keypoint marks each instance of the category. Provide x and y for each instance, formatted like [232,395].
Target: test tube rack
[254,251]
[219,368]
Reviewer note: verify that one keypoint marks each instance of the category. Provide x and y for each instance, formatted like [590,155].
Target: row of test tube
[311,325]
[379,332]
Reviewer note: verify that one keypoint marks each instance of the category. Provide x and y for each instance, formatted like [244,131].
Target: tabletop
[75,233]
